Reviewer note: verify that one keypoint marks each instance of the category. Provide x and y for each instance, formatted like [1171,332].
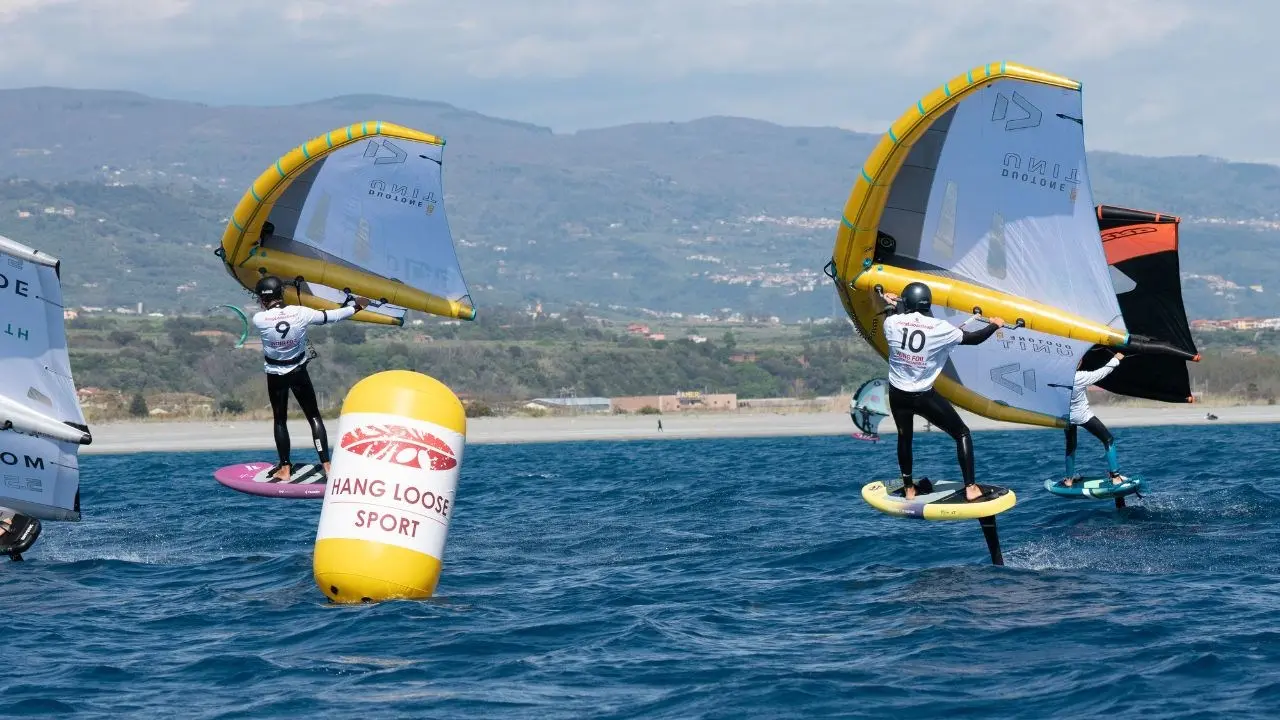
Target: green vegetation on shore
[503,358]
[181,366]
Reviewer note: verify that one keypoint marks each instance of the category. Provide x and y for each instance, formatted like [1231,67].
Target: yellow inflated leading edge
[244,258]
[351,571]
[877,496]
[857,276]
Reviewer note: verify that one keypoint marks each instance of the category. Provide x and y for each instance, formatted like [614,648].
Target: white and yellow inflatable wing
[358,210]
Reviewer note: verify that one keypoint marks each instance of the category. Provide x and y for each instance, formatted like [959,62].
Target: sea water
[675,579]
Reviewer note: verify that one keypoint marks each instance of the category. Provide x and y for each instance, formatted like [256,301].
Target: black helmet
[269,289]
[917,298]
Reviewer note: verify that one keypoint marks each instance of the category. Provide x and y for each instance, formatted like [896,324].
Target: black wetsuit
[278,387]
[285,353]
[931,406]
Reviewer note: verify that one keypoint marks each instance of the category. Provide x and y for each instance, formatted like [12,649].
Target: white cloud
[1161,76]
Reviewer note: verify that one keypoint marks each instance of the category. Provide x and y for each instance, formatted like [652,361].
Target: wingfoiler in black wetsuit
[918,348]
[284,348]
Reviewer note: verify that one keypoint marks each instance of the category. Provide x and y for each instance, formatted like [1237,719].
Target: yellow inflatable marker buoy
[391,487]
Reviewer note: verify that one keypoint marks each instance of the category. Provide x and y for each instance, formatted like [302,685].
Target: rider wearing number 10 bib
[284,354]
[918,348]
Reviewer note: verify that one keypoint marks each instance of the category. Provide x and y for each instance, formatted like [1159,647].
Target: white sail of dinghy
[41,423]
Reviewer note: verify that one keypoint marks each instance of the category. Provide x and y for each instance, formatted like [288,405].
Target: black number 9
[282,327]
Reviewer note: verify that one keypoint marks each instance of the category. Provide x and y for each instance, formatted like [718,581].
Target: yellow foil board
[946,502]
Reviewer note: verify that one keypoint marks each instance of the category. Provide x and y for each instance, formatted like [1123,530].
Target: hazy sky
[1161,77]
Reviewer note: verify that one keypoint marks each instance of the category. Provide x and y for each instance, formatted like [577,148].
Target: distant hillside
[691,217]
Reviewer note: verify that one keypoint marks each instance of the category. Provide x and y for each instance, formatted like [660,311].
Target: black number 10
[910,342]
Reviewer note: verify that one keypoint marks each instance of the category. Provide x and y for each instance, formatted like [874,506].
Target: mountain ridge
[694,216]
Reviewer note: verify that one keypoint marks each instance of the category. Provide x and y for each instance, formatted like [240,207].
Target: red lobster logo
[399,445]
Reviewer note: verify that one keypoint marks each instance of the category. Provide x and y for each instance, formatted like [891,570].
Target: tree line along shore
[189,367]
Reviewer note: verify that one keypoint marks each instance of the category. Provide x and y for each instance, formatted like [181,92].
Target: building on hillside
[680,402]
[572,404]
[1237,324]
[216,335]
[832,403]
[636,403]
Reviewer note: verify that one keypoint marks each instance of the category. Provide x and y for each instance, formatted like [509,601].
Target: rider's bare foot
[284,472]
[972,492]
[909,493]
[326,468]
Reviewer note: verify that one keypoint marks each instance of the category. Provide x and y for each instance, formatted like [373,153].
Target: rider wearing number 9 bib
[918,348]
[284,353]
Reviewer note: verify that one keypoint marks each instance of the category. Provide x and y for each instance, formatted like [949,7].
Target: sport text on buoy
[391,489]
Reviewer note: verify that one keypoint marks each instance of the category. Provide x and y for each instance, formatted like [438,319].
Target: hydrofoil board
[1096,488]
[306,481]
[944,501]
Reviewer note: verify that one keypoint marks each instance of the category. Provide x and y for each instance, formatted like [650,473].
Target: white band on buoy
[391,488]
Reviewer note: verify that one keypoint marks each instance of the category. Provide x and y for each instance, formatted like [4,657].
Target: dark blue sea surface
[675,579]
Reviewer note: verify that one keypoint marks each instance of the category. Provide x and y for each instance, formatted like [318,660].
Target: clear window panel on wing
[944,240]
[997,259]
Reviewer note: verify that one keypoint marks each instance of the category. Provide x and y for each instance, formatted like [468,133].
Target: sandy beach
[129,437]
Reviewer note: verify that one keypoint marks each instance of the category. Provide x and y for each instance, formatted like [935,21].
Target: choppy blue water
[675,579]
